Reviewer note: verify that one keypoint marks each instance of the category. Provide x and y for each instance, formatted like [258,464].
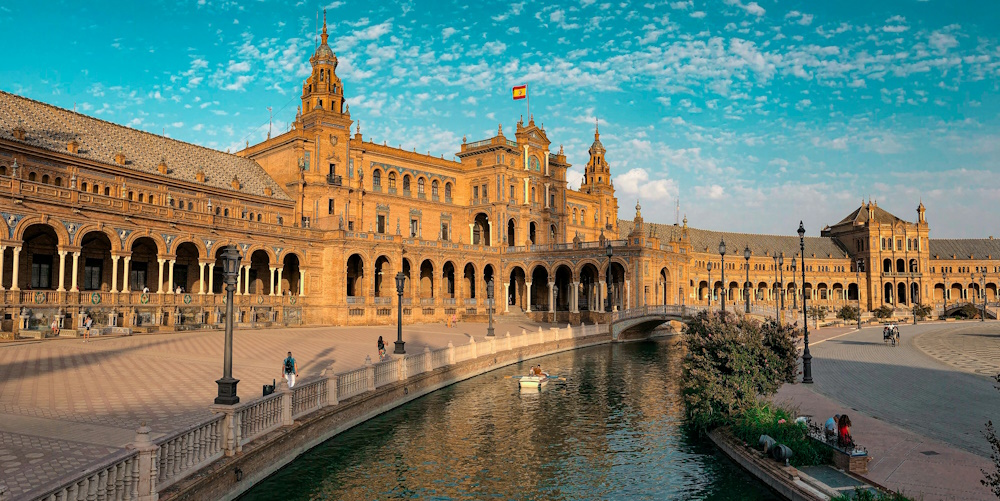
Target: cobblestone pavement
[65,403]
[972,347]
[905,387]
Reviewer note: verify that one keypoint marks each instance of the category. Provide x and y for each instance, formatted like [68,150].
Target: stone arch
[901,293]
[161,246]
[197,242]
[144,265]
[291,264]
[187,255]
[355,273]
[666,285]
[563,279]
[271,258]
[427,279]
[532,230]
[516,280]
[90,228]
[469,279]
[55,224]
[619,274]
[96,248]
[38,266]
[511,233]
[888,293]
[448,281]
[481,230]
[589,282]
[384,281]
[900,266]
[539,287]
[887,265]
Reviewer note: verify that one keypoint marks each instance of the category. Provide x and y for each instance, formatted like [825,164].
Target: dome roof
[323,53]
[597,147]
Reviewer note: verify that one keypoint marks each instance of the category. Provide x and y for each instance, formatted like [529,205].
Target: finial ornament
[500,129]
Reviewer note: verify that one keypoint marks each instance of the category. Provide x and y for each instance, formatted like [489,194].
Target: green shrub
[922,311]
[867,495]
[764,419]
[732,361]
[849,313]
[883,312]
[967,311]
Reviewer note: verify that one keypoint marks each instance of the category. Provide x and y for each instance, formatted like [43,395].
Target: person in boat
[537,371]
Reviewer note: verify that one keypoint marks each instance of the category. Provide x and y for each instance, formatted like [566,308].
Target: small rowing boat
[533,381]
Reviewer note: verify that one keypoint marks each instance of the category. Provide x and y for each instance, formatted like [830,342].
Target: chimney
[120,158]
[73,146]
[200,176]
[235,183]
[268,191]
[162,167]
[19,133]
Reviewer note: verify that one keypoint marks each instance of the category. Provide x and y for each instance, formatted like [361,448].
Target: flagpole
[527,100]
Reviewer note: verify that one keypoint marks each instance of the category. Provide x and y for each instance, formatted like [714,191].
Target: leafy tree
[731,362]
[849,313]
[817,313]
[922,311]
[883,312]
[992,479]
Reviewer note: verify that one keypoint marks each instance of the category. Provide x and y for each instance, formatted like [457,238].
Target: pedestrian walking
[88,322]
[289,369]
[381,349]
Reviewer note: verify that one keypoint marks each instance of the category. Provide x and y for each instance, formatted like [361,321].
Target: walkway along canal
[610,431]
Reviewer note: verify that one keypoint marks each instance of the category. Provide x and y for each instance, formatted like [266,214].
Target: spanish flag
[520,92]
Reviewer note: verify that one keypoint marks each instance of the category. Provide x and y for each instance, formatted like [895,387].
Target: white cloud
[751,8]
[447,32]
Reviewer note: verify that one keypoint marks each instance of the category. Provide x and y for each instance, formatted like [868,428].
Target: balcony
[334,180]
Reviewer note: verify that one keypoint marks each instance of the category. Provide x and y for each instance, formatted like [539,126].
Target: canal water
[612,430]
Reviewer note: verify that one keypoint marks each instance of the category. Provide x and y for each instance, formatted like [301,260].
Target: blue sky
[755,114]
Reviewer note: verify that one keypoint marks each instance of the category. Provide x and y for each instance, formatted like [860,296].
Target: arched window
[190,205]
[58,181]
[131,195]
[377,179]
[532,193]
[258,217]
[107,191]
[3,170]
[574,216]
[45,179]
[434,188]
[392,180]
[83,187]
[226,213]
[218,210]
[142,197]
[447,191]
[32,176]
[420,186]
[406,182]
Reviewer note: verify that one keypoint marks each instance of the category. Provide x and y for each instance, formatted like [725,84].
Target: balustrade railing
[307,397]
[183,453]
[386,372]
[258,417]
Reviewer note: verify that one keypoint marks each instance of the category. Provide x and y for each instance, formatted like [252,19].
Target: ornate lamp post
[944,293]
[227,385]
[489,306]
[400,282]
[711,287]
[795,295]
[722,252]
[857,272]
[746,285]
[777,312]
[607,276]
[807,376]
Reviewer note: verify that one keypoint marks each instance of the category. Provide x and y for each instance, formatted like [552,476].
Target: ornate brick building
[128,226]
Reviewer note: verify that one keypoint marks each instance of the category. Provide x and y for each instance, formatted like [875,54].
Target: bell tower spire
[323,90]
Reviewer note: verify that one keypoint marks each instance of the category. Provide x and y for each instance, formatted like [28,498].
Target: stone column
[278,283]
[239,281]
[159,277]
[527,302]
[546,195]
[489,231]
[575,297]
[201,278]
[302,283]
[125,265]
[472,232]
[552,297]
[602,288]
[17,264]
[506,298]
[628,295]
[62,270]
[76,262]
[114,273]
[246,281]
[170,279]
[270,278]
[211,278]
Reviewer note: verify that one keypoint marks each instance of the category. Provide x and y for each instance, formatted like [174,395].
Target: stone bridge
[637,322]
[991,308]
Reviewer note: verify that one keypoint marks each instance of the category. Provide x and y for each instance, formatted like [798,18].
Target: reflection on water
[610,431]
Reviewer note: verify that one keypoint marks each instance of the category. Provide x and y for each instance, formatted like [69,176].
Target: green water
[611,431]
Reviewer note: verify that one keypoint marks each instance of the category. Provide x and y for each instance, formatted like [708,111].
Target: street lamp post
[781,280]
[711,287]
[944,293]
[982,290]
[777,312]
[795,295]
[857,272]
[807,376]
[227,385]
[746,285]
[400,282]
[722,252]
[607,276]
[489,306]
